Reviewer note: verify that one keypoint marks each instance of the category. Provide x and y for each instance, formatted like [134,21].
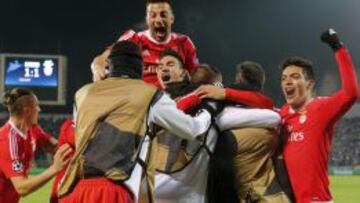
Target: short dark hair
[305,64]
[170,52]
[125,59]
[158,1]
[212,75]
[14,99]
[250,74]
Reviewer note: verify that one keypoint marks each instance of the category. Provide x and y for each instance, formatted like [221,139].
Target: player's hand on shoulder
[210,91]
[62,157]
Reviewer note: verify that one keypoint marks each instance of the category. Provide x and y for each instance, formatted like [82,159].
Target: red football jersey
[15,158]
[151,50]
[67,136]
[67,133]
[309,134]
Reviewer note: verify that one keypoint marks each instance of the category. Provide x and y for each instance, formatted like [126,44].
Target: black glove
[331,38]
[212,106]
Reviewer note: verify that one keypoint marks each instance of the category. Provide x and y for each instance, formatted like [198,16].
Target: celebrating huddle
[157,126]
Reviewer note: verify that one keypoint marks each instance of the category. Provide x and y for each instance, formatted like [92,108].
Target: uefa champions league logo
[17,166]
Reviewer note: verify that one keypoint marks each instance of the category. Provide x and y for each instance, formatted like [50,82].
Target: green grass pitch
[344,189]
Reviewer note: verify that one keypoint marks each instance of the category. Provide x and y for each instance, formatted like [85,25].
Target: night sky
[224,32]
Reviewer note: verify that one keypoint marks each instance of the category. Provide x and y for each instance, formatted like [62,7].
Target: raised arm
[99,64]
[349,85]
[341,101]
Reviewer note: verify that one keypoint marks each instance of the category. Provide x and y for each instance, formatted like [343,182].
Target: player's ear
[310,84]
[147,19]
[147,16]
[26,111]
[172,18]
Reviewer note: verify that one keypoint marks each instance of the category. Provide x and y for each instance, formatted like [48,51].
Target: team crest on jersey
[17,166]
[302,118]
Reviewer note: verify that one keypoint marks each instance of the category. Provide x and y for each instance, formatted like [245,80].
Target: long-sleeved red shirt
[66,136]
[309,134]
[250,98]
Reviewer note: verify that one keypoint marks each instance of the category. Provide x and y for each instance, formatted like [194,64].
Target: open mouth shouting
[160,33]
[165,77]
[289,92]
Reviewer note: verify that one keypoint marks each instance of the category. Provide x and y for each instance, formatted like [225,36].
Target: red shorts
[98,190]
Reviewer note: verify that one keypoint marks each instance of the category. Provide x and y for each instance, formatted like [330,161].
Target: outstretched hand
[211,92]
[61,157]
[98,66]
[99,71]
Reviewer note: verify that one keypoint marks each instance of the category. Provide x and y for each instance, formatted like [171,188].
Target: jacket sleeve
[188,102]
[236,117]
[165,114]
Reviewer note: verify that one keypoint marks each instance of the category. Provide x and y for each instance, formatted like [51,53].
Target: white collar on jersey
[17,130]
[147,33]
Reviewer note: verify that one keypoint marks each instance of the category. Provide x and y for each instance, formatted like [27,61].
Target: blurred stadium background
[224,32]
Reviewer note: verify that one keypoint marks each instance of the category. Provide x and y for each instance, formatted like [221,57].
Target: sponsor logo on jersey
[150,69]
[302,118]
[145,53]
[296,137]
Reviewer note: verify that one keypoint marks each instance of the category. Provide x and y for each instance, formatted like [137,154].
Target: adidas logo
[146,53]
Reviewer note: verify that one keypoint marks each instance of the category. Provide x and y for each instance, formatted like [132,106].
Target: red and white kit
[309,134]
[151,50]
[15,157]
